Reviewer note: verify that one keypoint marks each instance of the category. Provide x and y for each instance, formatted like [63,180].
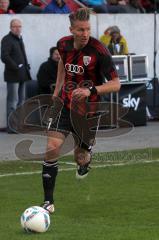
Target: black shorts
[82,128]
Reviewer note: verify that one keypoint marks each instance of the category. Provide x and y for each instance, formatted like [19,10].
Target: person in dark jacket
[47,73]
[24,6]
[16,71]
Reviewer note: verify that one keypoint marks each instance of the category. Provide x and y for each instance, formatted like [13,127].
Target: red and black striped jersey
[86,67]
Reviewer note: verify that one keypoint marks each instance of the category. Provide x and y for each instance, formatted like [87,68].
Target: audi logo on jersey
[74,68]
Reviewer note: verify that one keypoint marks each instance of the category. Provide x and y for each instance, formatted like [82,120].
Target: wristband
[93,90]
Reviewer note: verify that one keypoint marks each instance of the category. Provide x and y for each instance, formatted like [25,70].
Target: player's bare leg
[54,143]
[83,159]
[50,168]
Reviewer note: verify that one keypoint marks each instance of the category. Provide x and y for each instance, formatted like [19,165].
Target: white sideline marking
[31,173]
[71,169]
[19,174]
[68,163]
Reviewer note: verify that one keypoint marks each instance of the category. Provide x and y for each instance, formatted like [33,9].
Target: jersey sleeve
[107,67]
[60,47]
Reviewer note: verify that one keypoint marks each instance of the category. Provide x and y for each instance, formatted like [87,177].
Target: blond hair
[82,14]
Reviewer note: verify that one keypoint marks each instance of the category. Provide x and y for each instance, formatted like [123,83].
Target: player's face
[81,33]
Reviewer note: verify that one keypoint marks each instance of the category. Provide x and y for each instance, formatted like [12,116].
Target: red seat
[44,3]
[73,6]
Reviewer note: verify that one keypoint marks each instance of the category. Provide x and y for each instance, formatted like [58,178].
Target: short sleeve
[60,47]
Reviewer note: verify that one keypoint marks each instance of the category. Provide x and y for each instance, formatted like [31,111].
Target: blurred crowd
[122,6]
[67,6]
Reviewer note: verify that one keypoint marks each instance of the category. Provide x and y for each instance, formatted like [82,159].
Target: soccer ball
[35,219]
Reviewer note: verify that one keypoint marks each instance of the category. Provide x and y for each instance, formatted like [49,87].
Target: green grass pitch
[119,200]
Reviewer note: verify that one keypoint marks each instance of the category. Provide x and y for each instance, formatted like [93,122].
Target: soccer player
[84,65]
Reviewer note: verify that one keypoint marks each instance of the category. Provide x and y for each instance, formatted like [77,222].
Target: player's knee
[82,158]
[54,144]
[53,150]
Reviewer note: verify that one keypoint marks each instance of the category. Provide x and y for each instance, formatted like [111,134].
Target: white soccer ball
[35,219]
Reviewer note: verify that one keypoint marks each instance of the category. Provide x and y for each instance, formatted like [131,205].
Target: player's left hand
[80,94]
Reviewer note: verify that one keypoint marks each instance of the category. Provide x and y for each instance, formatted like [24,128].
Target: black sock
[49,173]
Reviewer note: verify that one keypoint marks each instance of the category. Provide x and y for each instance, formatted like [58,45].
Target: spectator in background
[125,6]
[16,71]
[147,5]
[56,6]
[155,4]
[48,72]
[4,4]
[113,6]
[99,6]
[106,37]
[24,6]
[115,42]
[132,6]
